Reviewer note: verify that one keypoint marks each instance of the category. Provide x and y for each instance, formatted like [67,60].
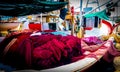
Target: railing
[103,5]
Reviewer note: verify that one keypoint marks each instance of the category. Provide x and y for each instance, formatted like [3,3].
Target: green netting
[22,8]
[101,14]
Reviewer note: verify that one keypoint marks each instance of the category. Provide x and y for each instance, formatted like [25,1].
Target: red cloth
[88,28]
[44,51]
[111,53]
[16,56]
[35,26]
[58,48]
[52,52]
[91,48]
[49,31]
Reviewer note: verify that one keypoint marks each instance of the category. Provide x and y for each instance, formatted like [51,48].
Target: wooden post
[70,17]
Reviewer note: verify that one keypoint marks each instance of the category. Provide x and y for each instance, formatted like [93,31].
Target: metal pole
[80,13]
[98,7]
[41,18]
[87,3]
[98,4]
[41,21]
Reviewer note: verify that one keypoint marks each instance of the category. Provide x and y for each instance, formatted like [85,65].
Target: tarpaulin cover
[27,7]
[101,14]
